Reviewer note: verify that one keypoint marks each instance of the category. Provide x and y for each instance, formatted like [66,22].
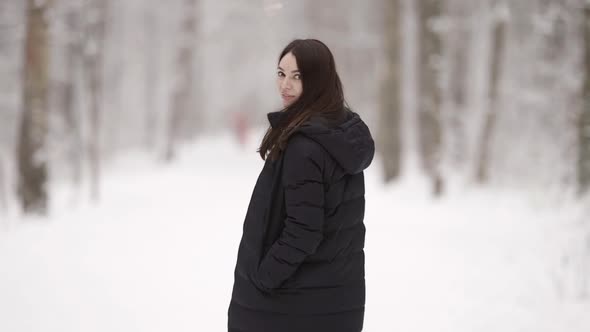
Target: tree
[430,132]
[498,42]
[150,22]
[390,113]
[3,188]
[71,114]
[31,150]
[183,117]
[95,26]
[584,121]
[457,46]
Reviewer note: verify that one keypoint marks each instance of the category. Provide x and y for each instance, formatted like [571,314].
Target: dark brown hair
[322,94]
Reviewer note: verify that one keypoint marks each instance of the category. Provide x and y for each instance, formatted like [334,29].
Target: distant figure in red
[240,127]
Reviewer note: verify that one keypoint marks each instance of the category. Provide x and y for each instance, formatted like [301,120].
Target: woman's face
[289,79]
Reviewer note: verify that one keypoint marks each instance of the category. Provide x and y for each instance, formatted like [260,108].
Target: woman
[300,264]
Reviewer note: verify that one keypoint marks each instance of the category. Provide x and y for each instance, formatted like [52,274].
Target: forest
[106,104]
[483,92]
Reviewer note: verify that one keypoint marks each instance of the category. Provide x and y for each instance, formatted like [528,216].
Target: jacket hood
[348,141]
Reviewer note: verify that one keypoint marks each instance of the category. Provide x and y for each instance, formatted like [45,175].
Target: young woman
[301,264]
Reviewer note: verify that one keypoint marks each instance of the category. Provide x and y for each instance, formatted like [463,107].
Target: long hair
[322,94]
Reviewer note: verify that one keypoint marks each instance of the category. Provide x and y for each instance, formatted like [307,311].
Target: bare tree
[584,122]
[498,44]
[95,24]
[457,47]
[71,115]
[32,154]
[183,116]
[152,48]
[3,188]
[390,136]
[430,132]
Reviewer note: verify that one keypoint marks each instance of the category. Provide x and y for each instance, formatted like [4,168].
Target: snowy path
[158,253]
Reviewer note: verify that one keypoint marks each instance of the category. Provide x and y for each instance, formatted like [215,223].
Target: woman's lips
[287,97]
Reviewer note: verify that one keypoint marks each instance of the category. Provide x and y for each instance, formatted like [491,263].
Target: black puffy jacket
[303,236]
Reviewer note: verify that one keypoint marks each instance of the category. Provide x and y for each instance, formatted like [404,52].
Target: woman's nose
[286,84]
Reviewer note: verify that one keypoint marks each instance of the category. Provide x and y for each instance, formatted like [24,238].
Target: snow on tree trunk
[31,150]
[429,93]
[390,112]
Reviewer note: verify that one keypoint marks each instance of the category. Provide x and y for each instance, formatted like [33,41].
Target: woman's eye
[280,74]
[297,77]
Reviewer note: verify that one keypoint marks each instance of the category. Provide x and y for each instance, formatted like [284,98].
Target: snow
[157,253]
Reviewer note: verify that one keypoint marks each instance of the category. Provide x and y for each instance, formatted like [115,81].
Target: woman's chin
[287,103]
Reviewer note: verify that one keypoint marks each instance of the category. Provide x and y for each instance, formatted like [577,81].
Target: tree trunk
[32,154]
[483,159]
[430,132]
[390,137]
[183,119]
[460,13]
[70,113]
[3,187]
[93,59]
[151,69]
[584,122]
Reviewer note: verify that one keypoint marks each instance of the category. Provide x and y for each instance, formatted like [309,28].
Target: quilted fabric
[301,250]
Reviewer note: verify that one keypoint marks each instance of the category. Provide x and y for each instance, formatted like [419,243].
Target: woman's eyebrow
[293,71]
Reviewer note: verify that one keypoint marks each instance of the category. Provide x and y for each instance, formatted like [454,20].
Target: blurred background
[128,138]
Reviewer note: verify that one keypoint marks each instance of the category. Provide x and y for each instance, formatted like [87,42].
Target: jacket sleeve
[302,182]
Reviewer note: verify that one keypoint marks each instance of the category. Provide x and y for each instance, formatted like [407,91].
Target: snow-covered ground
[158,252]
